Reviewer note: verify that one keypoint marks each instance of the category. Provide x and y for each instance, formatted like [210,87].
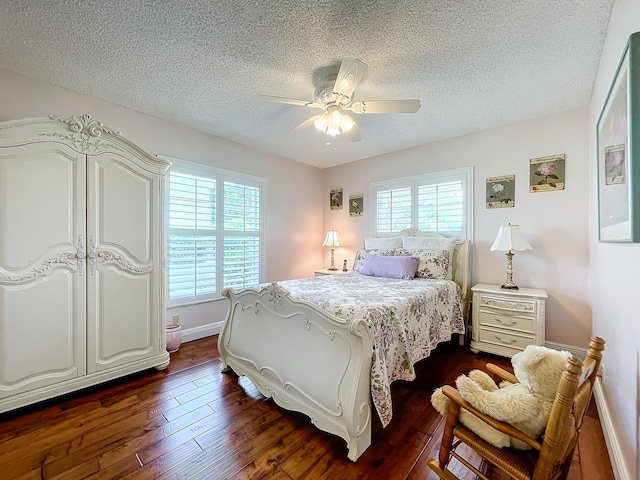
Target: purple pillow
[390,267]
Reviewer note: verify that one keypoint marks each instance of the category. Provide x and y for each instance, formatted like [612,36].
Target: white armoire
[81,258]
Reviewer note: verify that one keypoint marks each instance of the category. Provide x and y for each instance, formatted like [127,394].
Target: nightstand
[324,271]
[506,321]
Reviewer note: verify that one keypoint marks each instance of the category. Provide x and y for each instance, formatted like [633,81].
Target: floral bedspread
[407,319]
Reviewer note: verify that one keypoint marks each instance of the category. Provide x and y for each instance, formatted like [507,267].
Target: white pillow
[382,242]
[431,243]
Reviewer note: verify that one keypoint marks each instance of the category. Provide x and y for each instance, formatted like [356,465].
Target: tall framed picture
[618,136]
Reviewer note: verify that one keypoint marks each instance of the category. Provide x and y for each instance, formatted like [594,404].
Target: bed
[330,346]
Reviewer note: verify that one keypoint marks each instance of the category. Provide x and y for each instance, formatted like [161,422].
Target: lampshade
[510,238]
[332,239]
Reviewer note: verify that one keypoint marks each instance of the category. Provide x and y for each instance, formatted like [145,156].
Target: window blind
[192,237]
[214,234]
[441,208]
[242,235]
[393,209]
[436,202]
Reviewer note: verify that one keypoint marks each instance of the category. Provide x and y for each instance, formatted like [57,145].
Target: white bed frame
[307,359]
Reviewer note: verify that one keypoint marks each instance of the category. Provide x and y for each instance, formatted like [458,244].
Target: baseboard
[613,445]
[195,333]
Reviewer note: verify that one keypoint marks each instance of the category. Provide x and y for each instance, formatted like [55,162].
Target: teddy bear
[526,405]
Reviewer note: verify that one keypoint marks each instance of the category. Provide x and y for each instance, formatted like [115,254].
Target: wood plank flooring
[191,421]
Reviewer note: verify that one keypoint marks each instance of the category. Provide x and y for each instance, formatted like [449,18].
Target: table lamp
[510,238]
[332,240]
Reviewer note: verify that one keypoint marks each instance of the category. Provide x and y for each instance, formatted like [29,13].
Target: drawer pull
[506,342]
[505,324]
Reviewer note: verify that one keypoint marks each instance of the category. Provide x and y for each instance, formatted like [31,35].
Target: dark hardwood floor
[191,421]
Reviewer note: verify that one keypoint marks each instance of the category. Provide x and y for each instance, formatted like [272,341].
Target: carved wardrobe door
[42,266]
[81,258]
[124,236]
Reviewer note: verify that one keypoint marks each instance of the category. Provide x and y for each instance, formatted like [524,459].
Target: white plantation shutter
[215,232]
[192,237]
[437,202]
[393,209]
[441,208]
[241,235]
[241,261]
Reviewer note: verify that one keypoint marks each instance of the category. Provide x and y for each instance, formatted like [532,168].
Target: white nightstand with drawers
[506,321]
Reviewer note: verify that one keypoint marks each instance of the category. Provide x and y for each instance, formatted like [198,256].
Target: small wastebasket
[174,338]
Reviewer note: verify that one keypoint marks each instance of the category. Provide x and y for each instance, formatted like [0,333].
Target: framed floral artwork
[335,199]
[618,138]
[355,205]
[501,191]
[546,173]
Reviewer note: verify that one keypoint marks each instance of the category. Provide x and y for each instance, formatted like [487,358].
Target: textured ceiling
[473,64]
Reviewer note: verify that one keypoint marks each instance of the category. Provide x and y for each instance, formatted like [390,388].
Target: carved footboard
[306,359]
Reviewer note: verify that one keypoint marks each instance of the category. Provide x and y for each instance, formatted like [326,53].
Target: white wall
[554,223]
[614,283]
[294,190]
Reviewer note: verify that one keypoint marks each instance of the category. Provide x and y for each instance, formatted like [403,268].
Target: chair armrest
[502,373]
[503,427]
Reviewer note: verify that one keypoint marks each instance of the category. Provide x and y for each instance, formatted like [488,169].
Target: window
[436,202]
[215,232]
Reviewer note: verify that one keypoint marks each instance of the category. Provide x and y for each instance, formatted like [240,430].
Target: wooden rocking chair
[550,457]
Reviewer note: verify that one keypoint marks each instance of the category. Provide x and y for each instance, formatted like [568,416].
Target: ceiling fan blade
[385,106]
[354,133]
[349,76]
[307,123]
[289,101]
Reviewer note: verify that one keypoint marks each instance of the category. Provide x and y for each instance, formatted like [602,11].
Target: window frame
[464,174]
[220,176]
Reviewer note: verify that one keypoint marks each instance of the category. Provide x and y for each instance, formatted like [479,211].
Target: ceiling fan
[335,98]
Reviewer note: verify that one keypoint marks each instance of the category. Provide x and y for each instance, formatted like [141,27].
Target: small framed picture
[614,165]
[335,199]
[501,191]
[355,205]
[546,173]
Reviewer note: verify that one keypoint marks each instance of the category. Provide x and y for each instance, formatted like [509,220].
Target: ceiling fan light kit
[333,122]
[336,96]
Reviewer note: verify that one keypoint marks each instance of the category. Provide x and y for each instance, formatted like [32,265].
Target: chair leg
[467,464]
[446,445]
[566,466]
[441,472]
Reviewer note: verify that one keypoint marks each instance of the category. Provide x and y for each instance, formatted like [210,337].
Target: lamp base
[509,285]
[332,267]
